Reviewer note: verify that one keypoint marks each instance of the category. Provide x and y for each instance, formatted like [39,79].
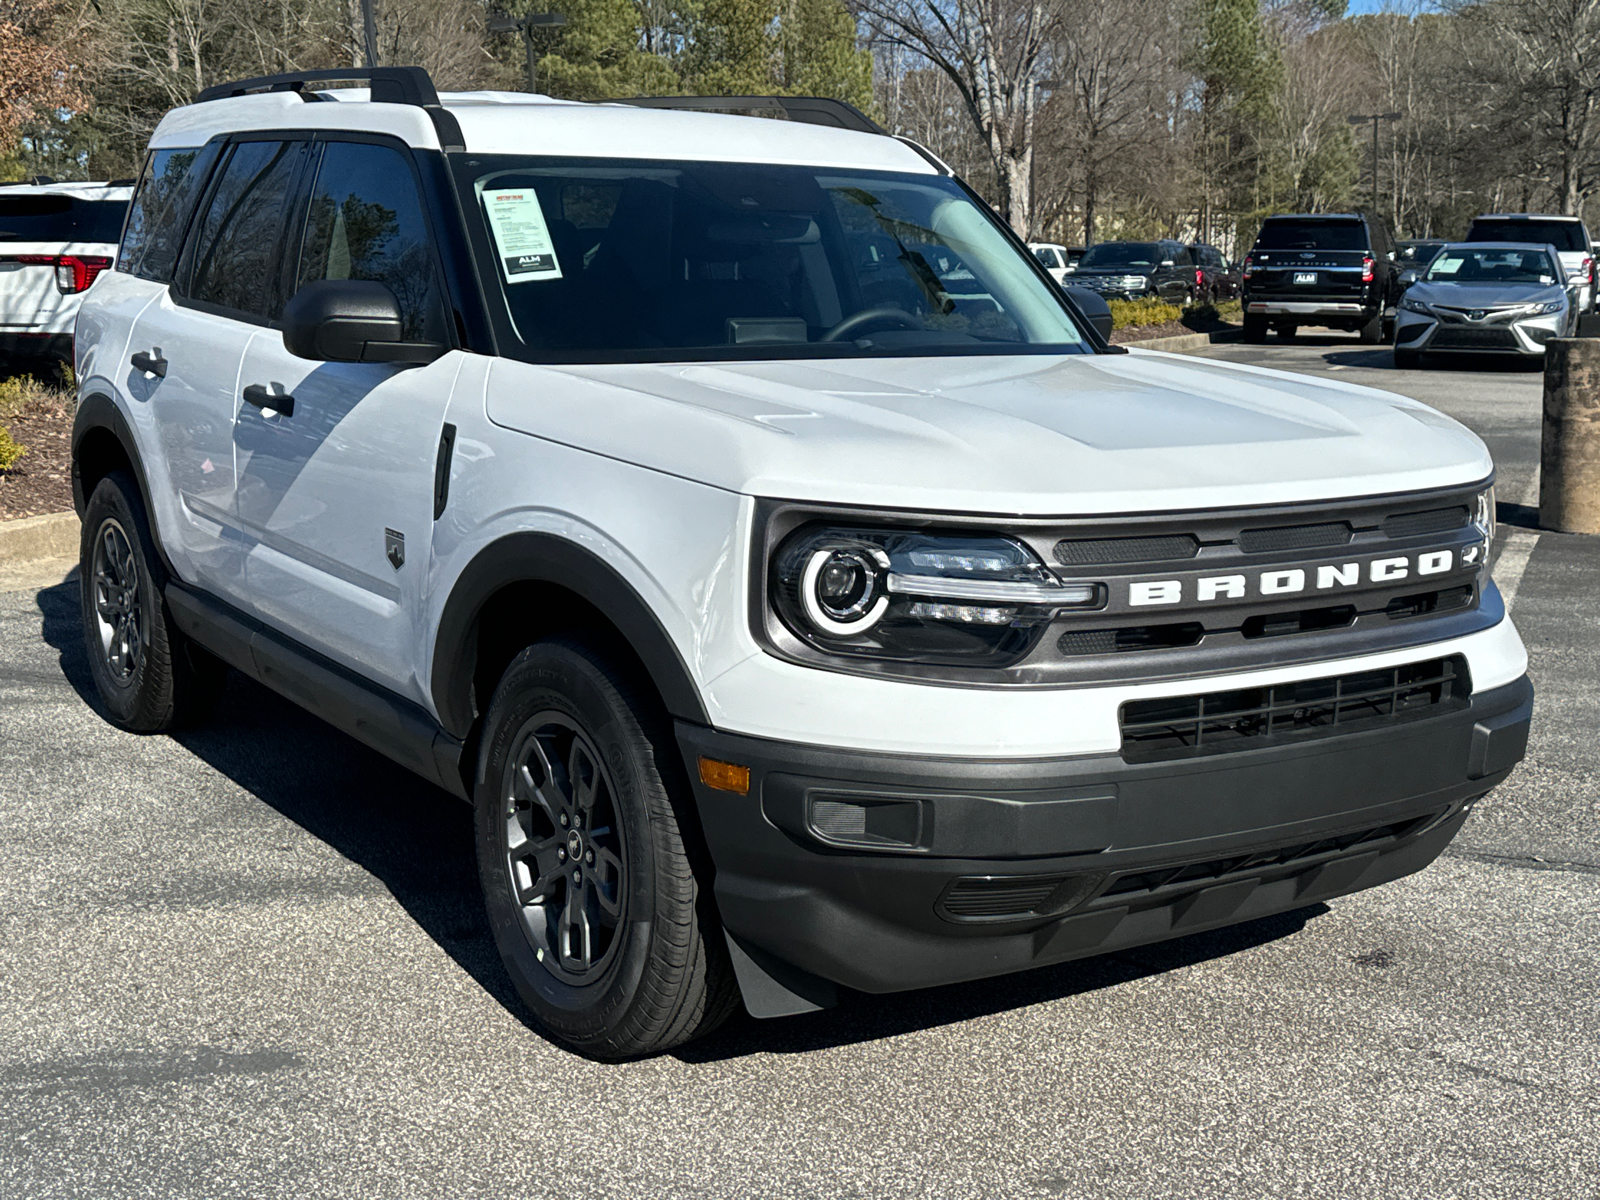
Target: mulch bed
[41,480]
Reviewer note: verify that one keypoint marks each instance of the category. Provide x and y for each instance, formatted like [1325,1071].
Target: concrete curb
[52,536]
[1184,341]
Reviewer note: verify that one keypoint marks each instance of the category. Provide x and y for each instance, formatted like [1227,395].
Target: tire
[1287,332]
[1255,330]
[649,969]
[150,677]
[1371,334]
[1406,360]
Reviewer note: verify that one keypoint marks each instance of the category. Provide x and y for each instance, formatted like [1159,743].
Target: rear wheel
[587,852]
[1371,334]
[1287,332]
[149,676]
[1255,329]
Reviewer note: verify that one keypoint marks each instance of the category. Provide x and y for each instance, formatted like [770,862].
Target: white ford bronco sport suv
[731,509]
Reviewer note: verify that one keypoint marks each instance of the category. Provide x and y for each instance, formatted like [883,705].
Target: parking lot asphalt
[251,960]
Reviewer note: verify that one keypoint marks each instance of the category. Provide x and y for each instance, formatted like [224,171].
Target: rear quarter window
[161,210]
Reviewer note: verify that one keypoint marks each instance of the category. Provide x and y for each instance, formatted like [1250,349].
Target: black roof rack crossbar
[390,85]
[809,110]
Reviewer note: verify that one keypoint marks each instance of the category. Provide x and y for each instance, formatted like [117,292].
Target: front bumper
[1422,332]
[1010,864]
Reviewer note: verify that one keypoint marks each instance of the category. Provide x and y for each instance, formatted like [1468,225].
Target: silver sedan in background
[1485,297]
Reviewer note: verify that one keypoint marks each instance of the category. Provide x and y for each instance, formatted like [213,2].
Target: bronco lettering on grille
[1288,581]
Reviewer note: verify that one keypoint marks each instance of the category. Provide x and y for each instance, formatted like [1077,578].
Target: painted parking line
[1513,561]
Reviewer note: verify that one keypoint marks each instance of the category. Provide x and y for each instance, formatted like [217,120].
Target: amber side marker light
[724,776]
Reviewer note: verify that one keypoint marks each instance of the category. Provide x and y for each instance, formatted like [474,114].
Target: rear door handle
[150,363]
[261,398]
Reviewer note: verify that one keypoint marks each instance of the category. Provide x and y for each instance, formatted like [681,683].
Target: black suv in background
[1331,269]
[1134,270]
[1217,278]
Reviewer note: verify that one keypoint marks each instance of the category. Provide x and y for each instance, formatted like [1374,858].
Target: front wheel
[587,855]
[149,676]
[1407,360]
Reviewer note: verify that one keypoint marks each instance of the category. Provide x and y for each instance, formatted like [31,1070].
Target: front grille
[1254,718]
[1451,338]
[1136,637]
[1294,537]
[1433,520]
[985,897]
[1098,552]
[1205,873]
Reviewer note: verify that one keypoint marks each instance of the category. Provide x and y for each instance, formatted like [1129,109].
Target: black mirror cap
[1093,306]
[350,320]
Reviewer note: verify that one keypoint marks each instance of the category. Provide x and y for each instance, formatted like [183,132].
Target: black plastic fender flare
[547,558]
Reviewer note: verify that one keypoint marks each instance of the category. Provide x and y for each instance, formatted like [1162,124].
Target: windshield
[602,261]
[1121,254]
[1463,264]
[1563,235]
[1312,235]
[46,218]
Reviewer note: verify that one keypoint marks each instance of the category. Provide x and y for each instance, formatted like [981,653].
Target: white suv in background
[732,510]
[55,240]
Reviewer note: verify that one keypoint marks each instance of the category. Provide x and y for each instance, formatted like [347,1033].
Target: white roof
[520,123]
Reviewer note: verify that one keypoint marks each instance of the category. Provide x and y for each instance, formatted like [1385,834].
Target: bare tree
[994,53]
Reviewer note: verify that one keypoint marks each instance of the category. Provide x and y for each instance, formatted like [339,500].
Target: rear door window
[1312,235]
[1563,235]
[47,218]
[161,210]
[236,258]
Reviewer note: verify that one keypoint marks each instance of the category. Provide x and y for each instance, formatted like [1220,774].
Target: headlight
[1484,520]
[1416,306]
[1549,306]
[918,597]
[1136,281]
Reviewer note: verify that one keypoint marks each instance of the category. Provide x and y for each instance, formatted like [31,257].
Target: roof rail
[390,85]
[809,110]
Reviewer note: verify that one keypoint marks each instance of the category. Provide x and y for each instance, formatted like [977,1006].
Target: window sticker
[521,236]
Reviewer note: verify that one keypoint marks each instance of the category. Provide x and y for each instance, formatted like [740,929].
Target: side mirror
[350,320]
[1093,306]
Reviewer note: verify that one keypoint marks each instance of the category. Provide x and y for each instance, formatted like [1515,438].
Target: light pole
[525,25]
[1362,120]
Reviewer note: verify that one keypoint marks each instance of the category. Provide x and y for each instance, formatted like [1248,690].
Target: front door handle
[150,363]
[261,398]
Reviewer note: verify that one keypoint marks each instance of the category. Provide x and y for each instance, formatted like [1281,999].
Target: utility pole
[1374,118]
[525,26]
[369,33]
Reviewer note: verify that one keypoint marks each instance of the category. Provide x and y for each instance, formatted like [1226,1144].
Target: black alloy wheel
[566,858]
[119,611]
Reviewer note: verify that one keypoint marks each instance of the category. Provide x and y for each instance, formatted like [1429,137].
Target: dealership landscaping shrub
[1149,311]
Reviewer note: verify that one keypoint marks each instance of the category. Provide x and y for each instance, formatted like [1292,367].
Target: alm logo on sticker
[522,264]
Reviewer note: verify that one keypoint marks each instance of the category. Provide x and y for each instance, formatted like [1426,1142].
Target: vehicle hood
[1032,435]
[1484,295]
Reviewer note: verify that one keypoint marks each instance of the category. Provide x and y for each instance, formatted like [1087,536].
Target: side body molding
[542,558]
